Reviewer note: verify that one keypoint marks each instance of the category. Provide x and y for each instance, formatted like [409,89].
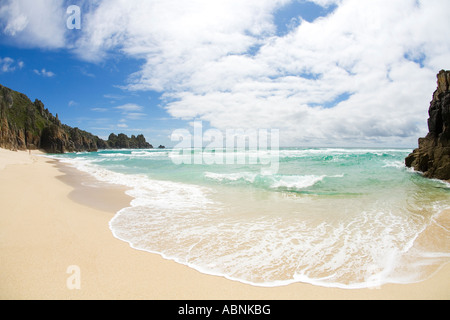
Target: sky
[337,73]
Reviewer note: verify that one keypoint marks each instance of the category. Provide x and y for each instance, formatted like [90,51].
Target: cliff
[122,141]
[433,155]
[27,125]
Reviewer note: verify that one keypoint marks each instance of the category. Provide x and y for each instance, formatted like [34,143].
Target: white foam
[394,164]
[155,193]
[150,154]
[338,151]
[246,176]
[290,182]
[444,183]
[114,155]
[296,182]
[360,252]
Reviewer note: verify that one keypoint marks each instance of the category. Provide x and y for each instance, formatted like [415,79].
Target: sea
[334,217]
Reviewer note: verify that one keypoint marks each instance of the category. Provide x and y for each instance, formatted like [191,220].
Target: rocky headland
[433,155]
[26,125]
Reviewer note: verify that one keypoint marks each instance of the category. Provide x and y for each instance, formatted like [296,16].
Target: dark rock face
[433,155]
[122,141]
[27,125]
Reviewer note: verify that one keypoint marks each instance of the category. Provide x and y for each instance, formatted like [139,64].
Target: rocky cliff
[27,125]
[122,141]
[433,155]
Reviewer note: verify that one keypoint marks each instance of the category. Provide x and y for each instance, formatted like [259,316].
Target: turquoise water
[335,217]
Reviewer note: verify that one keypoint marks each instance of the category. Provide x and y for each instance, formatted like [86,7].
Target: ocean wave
[146,191]
[114,155]
[245,176]
[148,154]
[295,182]
[339,151]
[268,251]
[394,164]
[445,184]
[274,182]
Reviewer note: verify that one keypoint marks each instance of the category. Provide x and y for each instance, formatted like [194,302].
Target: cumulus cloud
[363,74]
[34,23]
[361,51]
[8,64]
[131,111]
[129,107]
[44,73]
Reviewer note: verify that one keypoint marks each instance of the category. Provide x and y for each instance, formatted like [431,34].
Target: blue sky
[88,95]
[323,72]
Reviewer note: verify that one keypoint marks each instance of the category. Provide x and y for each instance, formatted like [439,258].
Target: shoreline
[65,222]
[90,192]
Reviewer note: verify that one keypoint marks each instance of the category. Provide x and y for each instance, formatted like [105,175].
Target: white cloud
[365,50]
[364,74]
[129,107]
[35,23]
[182,32]
[99,109]
[72,103]
[131,111]
[44,73]
[8,64]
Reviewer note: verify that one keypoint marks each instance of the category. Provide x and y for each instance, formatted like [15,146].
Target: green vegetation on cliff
[124,142]
[27,125]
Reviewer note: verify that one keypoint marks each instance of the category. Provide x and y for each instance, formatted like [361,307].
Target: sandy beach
[53,218]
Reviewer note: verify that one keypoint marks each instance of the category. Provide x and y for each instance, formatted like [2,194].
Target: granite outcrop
[432,158]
